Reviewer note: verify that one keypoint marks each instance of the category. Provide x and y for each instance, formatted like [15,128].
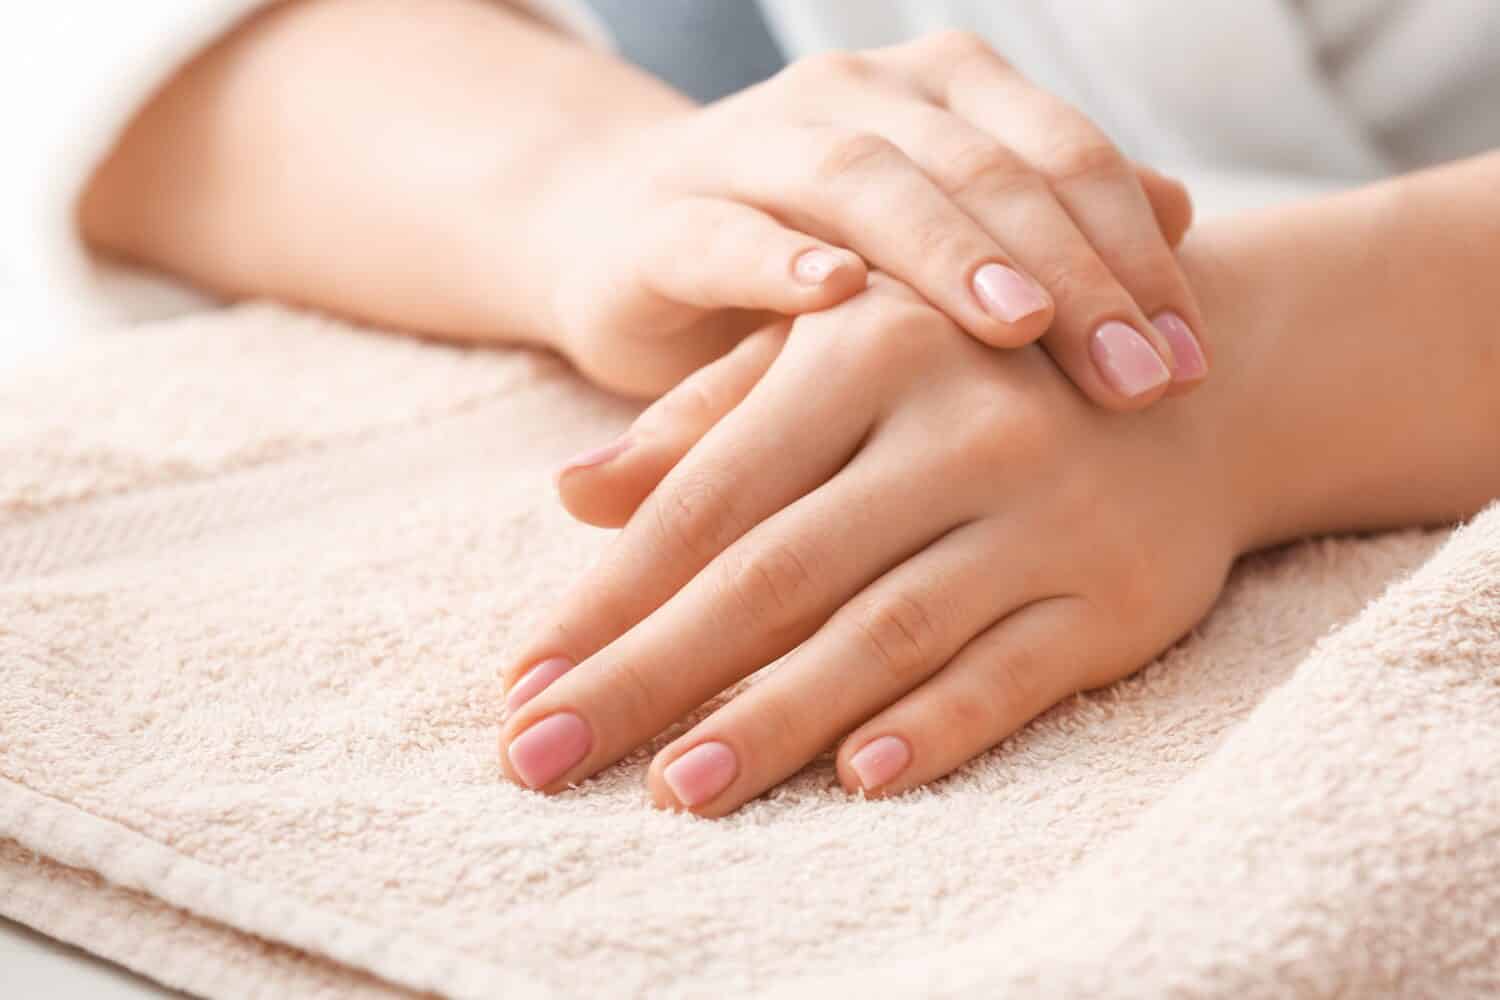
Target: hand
[957,541]
[528,189]
[933,161]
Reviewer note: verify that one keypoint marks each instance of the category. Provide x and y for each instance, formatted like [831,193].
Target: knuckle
[991,169]
[868,328]
[696,516]
[1016,683]
[937,242]
[891,341]
[694,400]
[1092,159]
[899,634]
[1147,271]
[781,721]
[1083,286]
[1012,429]
[846,153]
[823,66]
[959,716]
[954,45]
[771,587]
[634,696]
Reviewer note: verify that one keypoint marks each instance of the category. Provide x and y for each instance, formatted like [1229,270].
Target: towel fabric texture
[257,572]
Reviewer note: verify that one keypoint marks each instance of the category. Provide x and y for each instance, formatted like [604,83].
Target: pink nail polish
[595,456]
[1187,355]
[701,773]
[814,267]
[534,681]
[1127,360]
[549,749]
[1008,294]
[879,761]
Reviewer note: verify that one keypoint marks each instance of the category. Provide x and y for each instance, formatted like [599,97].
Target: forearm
[384,159]
[1359,354]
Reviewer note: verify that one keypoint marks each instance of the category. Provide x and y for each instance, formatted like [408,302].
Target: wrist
[1356,387]
[1248,318]
[563,212]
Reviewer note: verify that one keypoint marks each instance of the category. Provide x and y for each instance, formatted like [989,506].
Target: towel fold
[257,574]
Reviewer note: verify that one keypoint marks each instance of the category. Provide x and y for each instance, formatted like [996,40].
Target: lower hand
[940,540]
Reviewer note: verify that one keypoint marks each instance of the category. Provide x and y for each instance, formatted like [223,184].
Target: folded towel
[257,572]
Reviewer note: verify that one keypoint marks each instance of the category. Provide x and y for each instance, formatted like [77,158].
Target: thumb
[715,254]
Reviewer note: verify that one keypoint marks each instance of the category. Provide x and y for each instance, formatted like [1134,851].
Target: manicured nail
[535,680]
[549,749]
[814,267]
[1187,355]
[701,773]
[1127,360]
[1008,294]
[595,456]
[879,761]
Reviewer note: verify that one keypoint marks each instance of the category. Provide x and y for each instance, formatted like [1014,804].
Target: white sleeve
[77,72]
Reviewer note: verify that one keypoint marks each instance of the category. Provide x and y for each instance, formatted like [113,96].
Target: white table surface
[32,965]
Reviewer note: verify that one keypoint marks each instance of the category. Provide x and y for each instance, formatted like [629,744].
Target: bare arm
[416,209]
[1361,346]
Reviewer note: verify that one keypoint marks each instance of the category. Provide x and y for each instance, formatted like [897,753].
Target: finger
[708,501]
[859,190]
[715,254]
[1004,678]
[1120,358]
[1170,203]
[604,487]
[766,594]
[876,648]
[1099,189]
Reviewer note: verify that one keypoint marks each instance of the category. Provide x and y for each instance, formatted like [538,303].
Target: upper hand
[933,161]
[941,541]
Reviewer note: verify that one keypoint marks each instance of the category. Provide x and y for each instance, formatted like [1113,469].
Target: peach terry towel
[257,572]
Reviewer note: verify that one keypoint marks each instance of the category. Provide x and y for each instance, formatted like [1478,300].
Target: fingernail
[1187,355]
[1127,360]
[549,749]
[534,681]
[879,761]
[1008,294]
[814,267]
[701,773]
[595,456]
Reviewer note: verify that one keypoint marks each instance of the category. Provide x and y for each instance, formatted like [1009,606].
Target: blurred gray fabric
[705,48]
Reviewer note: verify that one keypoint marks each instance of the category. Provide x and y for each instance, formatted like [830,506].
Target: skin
[965,522]
[965,541]
[453,169]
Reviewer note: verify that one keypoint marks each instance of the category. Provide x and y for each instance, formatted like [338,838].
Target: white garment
[1343,90]
[72,75]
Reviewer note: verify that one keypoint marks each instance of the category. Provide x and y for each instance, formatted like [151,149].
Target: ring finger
[1008,675]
